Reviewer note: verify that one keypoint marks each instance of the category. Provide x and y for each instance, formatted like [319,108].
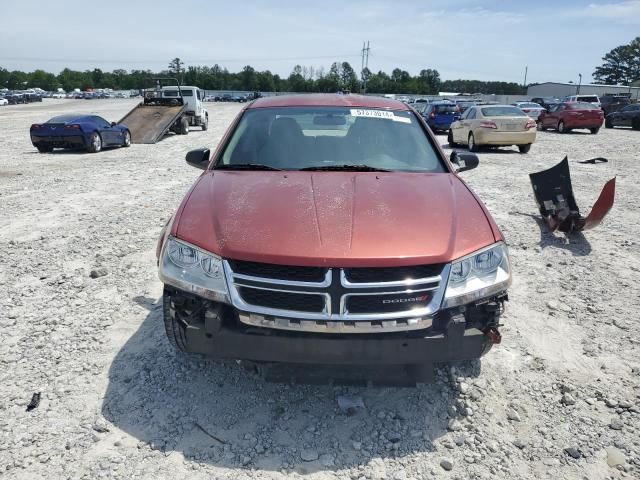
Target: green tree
[621,66]
[429,82]
[176,67]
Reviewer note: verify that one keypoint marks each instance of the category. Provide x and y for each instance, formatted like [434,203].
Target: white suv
[584,98]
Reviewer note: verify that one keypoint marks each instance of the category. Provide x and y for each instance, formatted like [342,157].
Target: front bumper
[486,136]
[462,333]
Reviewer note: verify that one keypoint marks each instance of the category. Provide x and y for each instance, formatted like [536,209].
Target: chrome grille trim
[347,326]
[400,283]
[340,321]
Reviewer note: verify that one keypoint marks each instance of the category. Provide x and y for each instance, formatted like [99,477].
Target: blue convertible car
[79,131]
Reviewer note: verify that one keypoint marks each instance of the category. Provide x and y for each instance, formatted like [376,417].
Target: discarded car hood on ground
[340,219]
[554,196]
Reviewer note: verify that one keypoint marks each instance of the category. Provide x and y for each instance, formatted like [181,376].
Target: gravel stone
[309,455]
[447,464]
[615,457]
[616,424]
[573,452]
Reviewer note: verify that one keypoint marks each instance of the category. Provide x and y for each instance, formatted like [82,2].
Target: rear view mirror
[199,158]
[329,120]
[464,161]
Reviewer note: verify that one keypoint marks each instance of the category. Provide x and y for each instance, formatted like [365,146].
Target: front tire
[540,127]
[594,130]
[174,328]
[471,143]
[562,128]
[608,123]
[126,141]
[450,139]
[205,124]
[95,143]
[44,148]
[635,124]
[524,148]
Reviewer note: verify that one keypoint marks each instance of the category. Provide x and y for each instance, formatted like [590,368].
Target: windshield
[294,138]
[444,108]
[502,112]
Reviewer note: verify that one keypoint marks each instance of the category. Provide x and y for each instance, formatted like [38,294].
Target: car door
[461,131]
[626,114]
[109,134]
[553,117]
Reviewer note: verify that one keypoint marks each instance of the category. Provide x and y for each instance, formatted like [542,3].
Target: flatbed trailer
[149,122]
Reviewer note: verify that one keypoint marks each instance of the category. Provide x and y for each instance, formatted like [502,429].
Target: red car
[567,116]
[332,229]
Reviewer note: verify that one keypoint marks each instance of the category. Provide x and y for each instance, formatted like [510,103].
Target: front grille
[391,274]
[283,300]
[387,303]
[279,272]
[336,299]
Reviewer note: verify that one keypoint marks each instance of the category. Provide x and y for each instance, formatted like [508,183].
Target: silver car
[533,110]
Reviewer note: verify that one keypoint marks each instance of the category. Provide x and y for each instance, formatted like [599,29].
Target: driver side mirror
[464,161]
[113,124]
[199,158]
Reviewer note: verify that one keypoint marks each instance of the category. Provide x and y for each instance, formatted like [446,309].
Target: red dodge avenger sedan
[332,229]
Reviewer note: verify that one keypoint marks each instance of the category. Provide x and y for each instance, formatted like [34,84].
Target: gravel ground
[559,398]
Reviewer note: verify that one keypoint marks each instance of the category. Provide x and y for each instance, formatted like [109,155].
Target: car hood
[339,219]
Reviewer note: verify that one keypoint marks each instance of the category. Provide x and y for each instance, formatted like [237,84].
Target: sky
[468,39]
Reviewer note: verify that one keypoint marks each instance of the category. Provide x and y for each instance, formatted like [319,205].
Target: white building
[554,89]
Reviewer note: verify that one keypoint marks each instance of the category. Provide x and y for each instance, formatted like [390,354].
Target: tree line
[621,66]
[339,76]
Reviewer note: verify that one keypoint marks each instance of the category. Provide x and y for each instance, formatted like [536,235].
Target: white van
[584,98]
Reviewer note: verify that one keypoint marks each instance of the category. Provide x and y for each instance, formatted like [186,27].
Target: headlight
[479,275]
[194,270]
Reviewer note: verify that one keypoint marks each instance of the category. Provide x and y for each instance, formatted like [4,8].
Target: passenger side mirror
[113,124]
[464,161]
[199,158]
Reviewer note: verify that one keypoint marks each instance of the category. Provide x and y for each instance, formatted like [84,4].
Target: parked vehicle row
[628,116]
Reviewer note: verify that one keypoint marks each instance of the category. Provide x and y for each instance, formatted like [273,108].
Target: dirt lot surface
[558,399]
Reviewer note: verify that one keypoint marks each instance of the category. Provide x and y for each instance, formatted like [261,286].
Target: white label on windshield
[384,114]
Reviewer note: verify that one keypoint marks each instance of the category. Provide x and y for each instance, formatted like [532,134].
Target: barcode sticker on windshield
[384,114]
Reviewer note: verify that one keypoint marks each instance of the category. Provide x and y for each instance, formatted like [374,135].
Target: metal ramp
[149,123]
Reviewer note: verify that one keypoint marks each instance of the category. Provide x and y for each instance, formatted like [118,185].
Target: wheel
[95,143]
[126,141]
[174,328]
[205,124]
[44,148]
[524,148]
[608,123]
[635,124]
[471,143]
[540,127]
[562,128]
[594,130]
[450,139]
[183,128]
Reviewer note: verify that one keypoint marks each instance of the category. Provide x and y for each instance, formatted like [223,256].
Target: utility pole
[365,64]
[579,83]
[526,68]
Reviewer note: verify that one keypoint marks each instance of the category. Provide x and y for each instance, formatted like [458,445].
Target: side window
[471,114]
[100,122]
[199,95]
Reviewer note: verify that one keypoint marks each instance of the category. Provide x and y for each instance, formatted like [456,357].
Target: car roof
[328,100]
[67,118]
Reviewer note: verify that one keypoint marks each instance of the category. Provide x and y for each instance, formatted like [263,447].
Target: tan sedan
[493,125]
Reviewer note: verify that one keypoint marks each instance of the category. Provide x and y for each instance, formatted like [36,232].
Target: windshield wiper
[346,168]
[245,166]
